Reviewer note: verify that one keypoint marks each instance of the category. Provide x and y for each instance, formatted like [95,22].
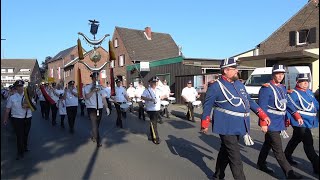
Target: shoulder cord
[302,101]
[276,100]
[151,95]
[224,89]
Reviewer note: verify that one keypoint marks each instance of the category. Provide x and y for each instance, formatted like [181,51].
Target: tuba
[29,93]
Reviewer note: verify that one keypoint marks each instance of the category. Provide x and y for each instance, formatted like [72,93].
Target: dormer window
[302,37]
[115,43]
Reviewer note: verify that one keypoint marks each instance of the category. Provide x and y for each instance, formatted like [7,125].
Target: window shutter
[292,38]
[312,36]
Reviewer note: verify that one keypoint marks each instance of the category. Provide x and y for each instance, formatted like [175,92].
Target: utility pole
[2,49]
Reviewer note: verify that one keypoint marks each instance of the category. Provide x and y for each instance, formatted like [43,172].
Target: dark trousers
[95,122]
[154,115]
[273,140]
[46,110]
[62,120]
[229,154]
[190,113]
[141,111]
[302,134]
[119,114]
[82,105]
[42,106]
[71,113]
[21,127]
[54,111]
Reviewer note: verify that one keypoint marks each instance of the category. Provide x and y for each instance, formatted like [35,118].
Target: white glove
[108,111]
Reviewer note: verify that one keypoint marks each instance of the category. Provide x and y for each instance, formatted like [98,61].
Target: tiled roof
[161,45]
[62,54]
[18,64]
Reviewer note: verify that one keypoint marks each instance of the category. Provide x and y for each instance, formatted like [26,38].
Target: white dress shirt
[189,93]
[15,102]
[139,91]
[120,94]
[71,100]
[131,91]
[153,94]
[92,101]
[108,91]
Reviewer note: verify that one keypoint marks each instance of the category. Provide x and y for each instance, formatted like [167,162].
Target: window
[24,70]
[115,43]
[121,60]
[301,37]
[3,70]
[10,70]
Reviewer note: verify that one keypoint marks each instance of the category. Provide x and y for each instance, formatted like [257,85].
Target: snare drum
[125,106]
[196,104]
[164,104]
[172,100]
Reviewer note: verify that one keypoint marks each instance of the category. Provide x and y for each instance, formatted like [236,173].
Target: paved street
[184,153]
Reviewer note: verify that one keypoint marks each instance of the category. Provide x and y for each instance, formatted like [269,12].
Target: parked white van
[263,75]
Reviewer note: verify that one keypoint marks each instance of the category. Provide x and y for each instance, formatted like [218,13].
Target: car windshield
[258,79]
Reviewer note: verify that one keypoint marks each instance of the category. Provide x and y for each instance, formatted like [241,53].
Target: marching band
[227,97]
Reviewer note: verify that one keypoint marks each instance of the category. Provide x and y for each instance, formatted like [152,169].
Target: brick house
[56,64]
[135,46]
[71,68]
[296,42]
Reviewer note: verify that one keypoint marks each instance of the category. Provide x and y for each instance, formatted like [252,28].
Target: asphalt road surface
[184,153]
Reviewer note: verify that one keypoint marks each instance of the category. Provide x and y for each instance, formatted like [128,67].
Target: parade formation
[225,104]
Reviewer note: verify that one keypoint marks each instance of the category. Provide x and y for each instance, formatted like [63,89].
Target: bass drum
[196,104]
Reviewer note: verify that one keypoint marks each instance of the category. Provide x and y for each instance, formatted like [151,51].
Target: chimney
[147,32]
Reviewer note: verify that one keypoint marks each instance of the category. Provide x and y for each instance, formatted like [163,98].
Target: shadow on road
[186,149]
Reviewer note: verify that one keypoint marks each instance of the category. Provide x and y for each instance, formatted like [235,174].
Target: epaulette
[290,91]
[266,85]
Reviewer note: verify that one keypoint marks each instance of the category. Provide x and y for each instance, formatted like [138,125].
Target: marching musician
[71,98]
[21,117]
[303,99]
[167,92]
[131,94]
[55,96]
[108,91]
[61,105]
[230,119]
[95,98]
[139,90]
[152,97]
[273,101]
[120,98]
[190,94]
[42,101]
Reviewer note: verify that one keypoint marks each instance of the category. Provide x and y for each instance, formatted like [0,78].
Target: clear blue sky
[204,29]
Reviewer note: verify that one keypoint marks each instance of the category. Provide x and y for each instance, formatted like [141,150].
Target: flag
[79,84]
[112,58]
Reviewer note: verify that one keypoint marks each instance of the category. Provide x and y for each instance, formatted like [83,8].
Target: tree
[44,68]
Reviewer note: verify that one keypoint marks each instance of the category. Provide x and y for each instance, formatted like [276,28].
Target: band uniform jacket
[273,101]
[307,105]
[231,104]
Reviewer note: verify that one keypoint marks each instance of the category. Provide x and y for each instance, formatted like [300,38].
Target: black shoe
[99,145]
[292,175]
[93,139]
[291,161]
[158,142]
[265,169]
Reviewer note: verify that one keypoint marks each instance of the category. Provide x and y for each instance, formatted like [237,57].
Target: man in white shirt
[131,94]
[167,92]
[21,117]
[120,98]
[152,97]
[139,90]
[95,96]
[108,91]
[71,100]
[42,101]
[54,94]
[190,94]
